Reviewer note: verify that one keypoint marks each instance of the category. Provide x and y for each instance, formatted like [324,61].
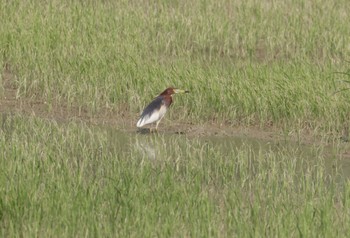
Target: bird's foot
[153,130]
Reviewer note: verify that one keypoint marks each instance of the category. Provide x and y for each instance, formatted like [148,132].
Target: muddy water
[158,146]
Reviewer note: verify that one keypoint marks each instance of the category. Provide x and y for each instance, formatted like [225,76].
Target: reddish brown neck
[168,99]
[164,93]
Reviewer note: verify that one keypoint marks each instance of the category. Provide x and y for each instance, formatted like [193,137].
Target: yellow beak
[181,91]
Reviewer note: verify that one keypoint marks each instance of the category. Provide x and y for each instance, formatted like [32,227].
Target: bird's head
[171,91]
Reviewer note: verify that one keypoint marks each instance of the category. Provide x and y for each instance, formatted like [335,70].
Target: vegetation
[72,180]
[246,63]
[253,62]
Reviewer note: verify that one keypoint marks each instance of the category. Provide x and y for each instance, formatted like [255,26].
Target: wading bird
[156,110]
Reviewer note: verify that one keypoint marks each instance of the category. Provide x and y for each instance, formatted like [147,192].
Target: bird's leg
[153,129]
[157,126]
[157,123]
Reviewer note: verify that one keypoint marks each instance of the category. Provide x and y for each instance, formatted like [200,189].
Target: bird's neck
[168,99]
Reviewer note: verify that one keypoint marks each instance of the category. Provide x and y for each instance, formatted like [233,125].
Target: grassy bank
[246,62]
[94,182]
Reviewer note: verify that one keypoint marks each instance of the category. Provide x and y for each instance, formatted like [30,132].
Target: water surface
[164,146]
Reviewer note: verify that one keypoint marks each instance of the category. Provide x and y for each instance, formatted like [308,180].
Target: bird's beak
[181,91]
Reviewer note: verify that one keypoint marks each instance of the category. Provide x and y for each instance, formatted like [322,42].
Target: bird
[156,110]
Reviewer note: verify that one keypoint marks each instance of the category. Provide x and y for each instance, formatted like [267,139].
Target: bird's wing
[153,112]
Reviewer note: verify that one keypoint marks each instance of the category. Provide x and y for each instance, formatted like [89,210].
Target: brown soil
[13,104]
[10,103]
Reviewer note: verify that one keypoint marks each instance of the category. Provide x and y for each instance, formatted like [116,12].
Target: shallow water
[162,146]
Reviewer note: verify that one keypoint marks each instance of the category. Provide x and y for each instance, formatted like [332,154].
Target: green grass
[246,62]
[72,180]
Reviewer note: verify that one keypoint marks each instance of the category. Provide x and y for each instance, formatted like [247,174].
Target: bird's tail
[140,123]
